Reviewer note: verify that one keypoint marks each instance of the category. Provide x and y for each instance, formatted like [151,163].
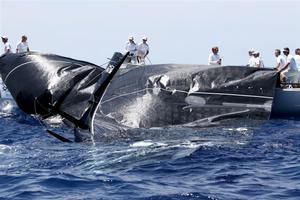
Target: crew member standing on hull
[7,47]
[297,61]
[258,62]
[142,51]
[297,58]
[251,62]
[289,73]
[280,61]
[214,58]
[22,46]
[7,50]
[131,47]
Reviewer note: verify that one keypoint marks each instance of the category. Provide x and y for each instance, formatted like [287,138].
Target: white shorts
[292,76]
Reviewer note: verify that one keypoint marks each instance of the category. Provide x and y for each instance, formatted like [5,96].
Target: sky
[178,31]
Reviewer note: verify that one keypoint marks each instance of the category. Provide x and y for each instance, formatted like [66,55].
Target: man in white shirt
[131,47]
[280,61]
[258,62]
[297,58]
[142,51]
[22,46]
[251,62]
[214,58]
[289,73]
[7,47]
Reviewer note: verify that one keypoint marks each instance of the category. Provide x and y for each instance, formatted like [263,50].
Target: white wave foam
[242,129]
[137,111]
[4,149]
[147,143]
[236,129]
[7,107]
[142,144]
[54,121]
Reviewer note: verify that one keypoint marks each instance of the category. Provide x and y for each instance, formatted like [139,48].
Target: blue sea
[258,160]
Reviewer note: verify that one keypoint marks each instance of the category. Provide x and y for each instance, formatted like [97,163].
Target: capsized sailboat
[137,96]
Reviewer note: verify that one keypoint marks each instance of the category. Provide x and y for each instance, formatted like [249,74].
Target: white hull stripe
[170,90]
[232,94]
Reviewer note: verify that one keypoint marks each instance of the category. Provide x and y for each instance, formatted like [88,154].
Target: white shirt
[251,61]
[6,48]
[22,47]
[292,66]
[258,62]
[142,49]
[213,59]
[297,60]
[131,47]
[281,61]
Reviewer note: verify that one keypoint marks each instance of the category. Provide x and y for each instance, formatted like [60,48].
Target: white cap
[4,37]
[130,38]
[145,38]
[255,52]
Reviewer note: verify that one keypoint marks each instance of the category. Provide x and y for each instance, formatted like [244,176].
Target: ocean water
[242,161]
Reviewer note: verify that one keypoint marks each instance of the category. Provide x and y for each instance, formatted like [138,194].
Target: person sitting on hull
[214,58]
[289,73]
[131,47]
[142,51]
[22,46]
[7,47]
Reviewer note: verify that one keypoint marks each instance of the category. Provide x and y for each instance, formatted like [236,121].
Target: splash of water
[137,114]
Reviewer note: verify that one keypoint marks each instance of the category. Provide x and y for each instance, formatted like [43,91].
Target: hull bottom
[286,103]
